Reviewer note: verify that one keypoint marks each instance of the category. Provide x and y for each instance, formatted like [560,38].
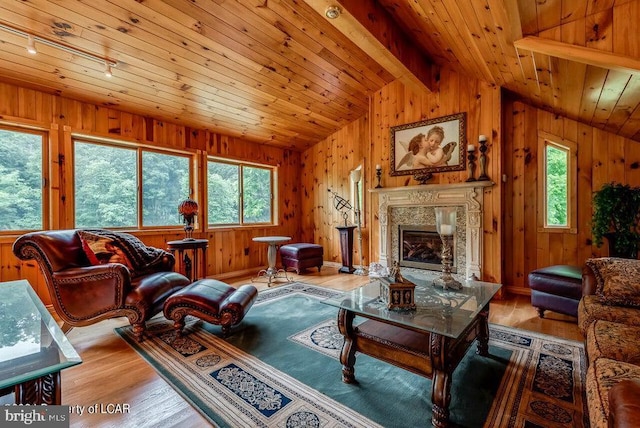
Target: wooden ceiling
[280,73]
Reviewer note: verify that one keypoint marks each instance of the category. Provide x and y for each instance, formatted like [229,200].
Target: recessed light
[332,12]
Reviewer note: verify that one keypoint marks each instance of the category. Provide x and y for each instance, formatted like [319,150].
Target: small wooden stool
[301,256]
[212,301]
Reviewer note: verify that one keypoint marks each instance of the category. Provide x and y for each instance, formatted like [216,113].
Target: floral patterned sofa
[609,319]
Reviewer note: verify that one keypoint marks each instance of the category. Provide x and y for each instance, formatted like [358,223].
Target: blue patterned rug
[280,368]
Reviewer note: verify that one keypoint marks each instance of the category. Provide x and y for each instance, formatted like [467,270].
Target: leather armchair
[83,294]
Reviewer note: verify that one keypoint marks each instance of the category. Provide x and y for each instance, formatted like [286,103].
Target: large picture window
[22,177]
[239,194]
[128,187]
[557,184]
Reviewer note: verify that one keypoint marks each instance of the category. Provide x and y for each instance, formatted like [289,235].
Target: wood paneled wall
[326,165]
[602,158]
[230,249]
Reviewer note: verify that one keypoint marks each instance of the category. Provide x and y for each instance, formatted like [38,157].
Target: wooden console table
[34,350]
[186,265]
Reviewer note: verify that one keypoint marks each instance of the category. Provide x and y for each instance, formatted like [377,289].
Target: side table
[272,272]
[186,266]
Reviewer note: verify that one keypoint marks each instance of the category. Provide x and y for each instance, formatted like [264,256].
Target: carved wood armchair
[84,290]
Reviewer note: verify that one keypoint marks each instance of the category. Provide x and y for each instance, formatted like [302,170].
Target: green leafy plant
[616,216]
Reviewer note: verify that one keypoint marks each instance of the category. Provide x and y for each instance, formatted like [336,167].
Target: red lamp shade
[188,209]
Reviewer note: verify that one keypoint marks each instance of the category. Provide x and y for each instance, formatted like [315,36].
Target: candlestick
[483,158]
[378,176]
[471,167]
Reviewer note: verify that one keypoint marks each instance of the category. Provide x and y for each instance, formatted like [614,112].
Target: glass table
[430,340]
[33,349]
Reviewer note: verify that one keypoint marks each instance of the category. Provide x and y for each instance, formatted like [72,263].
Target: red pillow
[101,250]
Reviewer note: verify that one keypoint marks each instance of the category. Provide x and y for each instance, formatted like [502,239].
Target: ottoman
[301,256]
[557,288]
[212,301]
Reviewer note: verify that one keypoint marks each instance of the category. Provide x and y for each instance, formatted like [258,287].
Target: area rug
[280,368]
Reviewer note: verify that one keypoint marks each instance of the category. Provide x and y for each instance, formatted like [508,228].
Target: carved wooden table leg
[348,354]
[43,390]
[483,332]
[440,382]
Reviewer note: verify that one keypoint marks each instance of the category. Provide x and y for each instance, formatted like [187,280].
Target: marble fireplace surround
[414,205]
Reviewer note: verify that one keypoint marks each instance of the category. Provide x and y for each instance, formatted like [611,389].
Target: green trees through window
[107,192]
[224,181]
[21,180]
[557,179]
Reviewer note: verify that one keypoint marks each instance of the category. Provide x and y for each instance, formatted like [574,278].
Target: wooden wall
[602,158]
[326,165]
[230,249]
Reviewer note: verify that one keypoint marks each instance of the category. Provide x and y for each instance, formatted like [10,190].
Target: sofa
[609,320]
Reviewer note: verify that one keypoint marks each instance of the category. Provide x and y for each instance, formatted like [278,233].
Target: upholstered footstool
[212,301]
[556,288]
[301,256]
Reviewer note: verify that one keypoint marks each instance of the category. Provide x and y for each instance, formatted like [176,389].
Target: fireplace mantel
[468,195]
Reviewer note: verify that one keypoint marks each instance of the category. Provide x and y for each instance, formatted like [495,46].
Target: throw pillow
[102,250]
[617,280]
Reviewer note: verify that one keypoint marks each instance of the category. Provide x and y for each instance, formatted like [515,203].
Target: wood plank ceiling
[280,73]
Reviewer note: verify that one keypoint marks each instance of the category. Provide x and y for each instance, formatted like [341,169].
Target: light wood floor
[112,373]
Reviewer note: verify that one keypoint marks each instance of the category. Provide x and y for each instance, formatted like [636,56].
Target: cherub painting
[434,145]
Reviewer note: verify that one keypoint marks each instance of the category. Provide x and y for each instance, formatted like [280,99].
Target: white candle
[446,229]
[378,167]
[471,148]
[482,138]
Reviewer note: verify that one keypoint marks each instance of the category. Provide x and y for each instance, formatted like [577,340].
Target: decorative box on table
[397,292]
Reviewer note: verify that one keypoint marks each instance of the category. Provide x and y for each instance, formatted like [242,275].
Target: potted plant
[616,216]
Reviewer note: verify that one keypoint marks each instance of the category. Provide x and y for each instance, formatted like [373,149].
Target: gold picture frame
[428,146]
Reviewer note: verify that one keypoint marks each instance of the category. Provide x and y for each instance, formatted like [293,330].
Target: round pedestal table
[272,273]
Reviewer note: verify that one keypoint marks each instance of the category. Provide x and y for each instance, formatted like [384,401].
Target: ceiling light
[332,12]
[107,69]
[31,45]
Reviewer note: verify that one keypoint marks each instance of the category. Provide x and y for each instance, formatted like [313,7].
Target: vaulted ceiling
[280,72]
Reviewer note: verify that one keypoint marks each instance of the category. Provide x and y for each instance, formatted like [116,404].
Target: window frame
[45,186]
[545,140]
[241,164]
[139,148]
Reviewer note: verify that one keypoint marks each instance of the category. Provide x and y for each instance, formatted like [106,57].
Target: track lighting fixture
[31,48]
[107,70]
[31,45]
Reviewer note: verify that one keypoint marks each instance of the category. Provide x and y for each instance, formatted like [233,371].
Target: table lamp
[188,210]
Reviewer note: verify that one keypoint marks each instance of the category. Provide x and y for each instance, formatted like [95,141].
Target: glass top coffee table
[430,340]
[33,349]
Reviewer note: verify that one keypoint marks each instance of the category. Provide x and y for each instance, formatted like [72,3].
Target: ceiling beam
[581,54]
[371,28]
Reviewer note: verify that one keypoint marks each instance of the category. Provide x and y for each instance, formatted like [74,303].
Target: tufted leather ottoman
[212,301]
[301,256]
[556,288]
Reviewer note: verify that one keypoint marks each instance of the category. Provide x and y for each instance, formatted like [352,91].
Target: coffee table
[33,349]
[429,341]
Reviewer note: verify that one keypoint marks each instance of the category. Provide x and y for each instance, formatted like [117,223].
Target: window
[557,184]
[22,175]
[107,190]
[239,194]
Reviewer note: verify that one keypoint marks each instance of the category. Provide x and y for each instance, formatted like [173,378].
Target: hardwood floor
[113,374]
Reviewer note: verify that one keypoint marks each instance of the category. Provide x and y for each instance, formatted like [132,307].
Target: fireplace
[420,247]
[414,205]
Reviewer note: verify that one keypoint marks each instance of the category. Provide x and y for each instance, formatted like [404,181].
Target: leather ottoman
[557,288]
[212,301]
[301,256]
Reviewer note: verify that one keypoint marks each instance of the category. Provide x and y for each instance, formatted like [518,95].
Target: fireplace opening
[421,247]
